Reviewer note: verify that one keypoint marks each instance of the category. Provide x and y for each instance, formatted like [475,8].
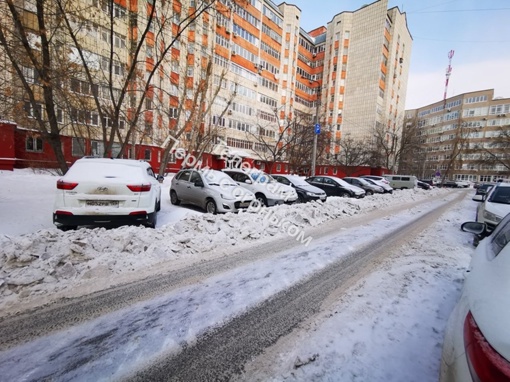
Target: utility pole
[317,128]
[448,73]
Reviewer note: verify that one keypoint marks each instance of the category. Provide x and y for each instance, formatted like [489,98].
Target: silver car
[211,190]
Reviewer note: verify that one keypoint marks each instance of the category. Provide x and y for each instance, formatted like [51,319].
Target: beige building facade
[463,138]
[267,72]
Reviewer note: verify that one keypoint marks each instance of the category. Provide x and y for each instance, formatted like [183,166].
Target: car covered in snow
[494,205]
[334,186]
[268,191]
[211,190]
[379,181]
[369,188]
[103,191]
[306,192]
[476,345]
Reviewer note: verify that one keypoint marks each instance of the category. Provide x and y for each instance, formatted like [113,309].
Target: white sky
[388,327]
[477,31]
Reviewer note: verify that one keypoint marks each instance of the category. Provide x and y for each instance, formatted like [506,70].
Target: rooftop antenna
[448,73]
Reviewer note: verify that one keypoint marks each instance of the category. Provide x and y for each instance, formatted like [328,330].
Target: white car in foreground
[101,191]
[477,339]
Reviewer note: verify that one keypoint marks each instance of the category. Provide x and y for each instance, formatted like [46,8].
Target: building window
[78,147]
[147,154]
[278,167]
[34,144]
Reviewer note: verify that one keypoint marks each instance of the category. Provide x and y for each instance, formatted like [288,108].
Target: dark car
[424,185]
[334,186]
[306,192]
[369,188]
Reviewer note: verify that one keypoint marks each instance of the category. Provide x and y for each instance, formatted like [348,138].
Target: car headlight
[227,197]
[491,217]
[310,194]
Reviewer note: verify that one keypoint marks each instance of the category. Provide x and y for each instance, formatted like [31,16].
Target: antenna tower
[448,73]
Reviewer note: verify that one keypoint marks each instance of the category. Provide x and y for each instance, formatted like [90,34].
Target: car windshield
[218,178]
[298,181]
[500,195]
[364,182]
[342,182]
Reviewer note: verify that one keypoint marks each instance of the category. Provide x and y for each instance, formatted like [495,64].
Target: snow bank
[38,267]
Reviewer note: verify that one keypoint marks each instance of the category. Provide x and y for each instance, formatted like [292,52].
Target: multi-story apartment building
[145,72]
[465,137]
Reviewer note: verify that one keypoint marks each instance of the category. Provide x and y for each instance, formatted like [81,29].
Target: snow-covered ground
[388,327]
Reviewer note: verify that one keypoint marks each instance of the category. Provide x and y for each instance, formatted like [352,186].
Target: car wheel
[173,198]
[210,207]
[158,205]
[301,199]
[370,192]
[344,195]
[261,199]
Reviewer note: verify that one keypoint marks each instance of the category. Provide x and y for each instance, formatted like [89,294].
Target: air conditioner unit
[233,53]
[503,115]
[401,60]
[228,31]
[255,84]
[276,76]
[229,112]
[314,55]
[485,119]
[235,34]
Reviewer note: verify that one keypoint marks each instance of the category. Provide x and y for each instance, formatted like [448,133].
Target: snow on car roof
[91,169]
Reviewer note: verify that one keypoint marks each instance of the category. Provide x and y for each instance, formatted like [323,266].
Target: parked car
[369,188]
[402,182]
[306,192]
[449,184]
[483,188]
[211,190]
[101,191]
[423,185]
[494,205]
[334,186]
[379,181]
[267,190]
[476,345]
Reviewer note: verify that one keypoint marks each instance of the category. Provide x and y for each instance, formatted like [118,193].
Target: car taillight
[59,212]
[485,363]
[139,187]
[138,213]
[61,185]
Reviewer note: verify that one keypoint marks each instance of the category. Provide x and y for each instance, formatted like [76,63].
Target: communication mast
[448,73]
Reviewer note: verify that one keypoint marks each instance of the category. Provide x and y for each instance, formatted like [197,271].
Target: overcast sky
[478,32]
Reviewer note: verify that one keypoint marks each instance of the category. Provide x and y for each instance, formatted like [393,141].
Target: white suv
[267,190]
[101,191]
[494,205]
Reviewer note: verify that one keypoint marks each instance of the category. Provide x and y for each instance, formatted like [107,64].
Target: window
[78,147]
[278,167]
[147,154]
[34,144]
[33,112]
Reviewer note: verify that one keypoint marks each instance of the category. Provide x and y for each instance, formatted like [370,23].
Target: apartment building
[465,137]
[245,73]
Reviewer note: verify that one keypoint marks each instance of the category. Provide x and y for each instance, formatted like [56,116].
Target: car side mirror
[160,178]
[199,183]
[477,228]
[479,198]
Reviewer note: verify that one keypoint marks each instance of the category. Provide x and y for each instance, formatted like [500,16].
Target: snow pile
[49,261]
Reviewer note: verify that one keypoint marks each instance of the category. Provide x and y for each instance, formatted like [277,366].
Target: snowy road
[118,331]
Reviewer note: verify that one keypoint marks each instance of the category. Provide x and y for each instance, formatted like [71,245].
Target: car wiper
[213,184]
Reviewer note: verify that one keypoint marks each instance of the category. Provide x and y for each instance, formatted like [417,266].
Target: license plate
[102,203]
[244,204]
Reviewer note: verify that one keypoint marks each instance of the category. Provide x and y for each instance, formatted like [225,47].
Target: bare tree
[103,66]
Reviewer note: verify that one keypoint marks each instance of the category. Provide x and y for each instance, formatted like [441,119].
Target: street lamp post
[316,126]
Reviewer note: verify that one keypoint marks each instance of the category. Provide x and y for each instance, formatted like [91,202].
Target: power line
[463,10]
[462,41]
